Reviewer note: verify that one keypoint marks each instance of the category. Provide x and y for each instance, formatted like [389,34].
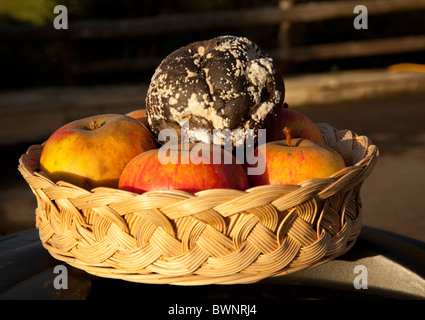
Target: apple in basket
[139,114]
[291,161]
[191,168]
[93,151]
[301,127]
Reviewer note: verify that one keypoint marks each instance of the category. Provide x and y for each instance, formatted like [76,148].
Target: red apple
[301,127]
[93,151]
[139,114]
[190,169]
[291,161]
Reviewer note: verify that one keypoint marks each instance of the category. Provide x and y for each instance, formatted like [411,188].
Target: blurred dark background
[371,81]
[43,56]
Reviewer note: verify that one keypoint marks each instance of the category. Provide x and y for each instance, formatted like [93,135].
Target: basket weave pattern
[212,237]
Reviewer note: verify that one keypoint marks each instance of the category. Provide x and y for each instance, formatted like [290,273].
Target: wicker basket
[212,237]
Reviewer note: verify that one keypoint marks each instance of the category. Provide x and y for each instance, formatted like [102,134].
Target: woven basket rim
[214,236]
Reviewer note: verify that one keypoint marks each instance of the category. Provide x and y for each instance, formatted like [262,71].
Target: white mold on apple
[223,83]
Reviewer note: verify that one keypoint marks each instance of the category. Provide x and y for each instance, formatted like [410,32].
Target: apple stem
[94,125]
[287,133]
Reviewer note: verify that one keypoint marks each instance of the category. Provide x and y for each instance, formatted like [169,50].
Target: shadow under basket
[216,236]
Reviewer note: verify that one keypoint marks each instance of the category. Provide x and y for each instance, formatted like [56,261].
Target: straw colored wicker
[212,237]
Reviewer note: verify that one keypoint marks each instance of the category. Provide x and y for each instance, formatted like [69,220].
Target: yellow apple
[291,161]
[93,151]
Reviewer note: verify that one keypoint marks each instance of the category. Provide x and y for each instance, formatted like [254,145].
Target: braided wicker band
[212,237]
